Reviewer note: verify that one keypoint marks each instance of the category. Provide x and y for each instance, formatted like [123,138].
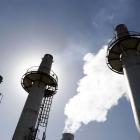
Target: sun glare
[21,66]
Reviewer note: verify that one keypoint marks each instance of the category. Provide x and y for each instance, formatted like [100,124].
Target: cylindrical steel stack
[68,136]
[1,95]
[123,57]
[35,82]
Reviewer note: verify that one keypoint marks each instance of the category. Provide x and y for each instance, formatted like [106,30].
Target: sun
[22,64]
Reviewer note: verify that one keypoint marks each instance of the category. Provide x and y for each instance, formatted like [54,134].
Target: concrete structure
[35,82]
[68,136]
[123,57]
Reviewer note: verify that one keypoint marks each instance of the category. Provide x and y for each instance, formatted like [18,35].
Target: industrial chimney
[1,95]
[1,79]
[41,84]
[68,136]
[123,57]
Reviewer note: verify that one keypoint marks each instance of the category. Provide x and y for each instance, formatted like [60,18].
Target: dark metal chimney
[68,136]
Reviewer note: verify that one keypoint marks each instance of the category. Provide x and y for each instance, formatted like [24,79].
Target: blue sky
[67,29]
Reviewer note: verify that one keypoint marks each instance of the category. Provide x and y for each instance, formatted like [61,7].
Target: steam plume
[98,91]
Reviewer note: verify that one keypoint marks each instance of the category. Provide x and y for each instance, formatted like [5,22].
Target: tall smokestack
[123,57]
[67,136]
[41,84]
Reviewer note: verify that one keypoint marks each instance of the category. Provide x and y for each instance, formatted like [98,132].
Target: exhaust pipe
[67,136]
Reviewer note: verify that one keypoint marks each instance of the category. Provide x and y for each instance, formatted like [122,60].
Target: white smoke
[98,91]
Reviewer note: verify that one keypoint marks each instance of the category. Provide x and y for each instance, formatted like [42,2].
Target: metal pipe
[67,136]
[30,111]
[124,58]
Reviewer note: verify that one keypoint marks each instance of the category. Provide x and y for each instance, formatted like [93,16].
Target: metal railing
[116,39]
[35,69]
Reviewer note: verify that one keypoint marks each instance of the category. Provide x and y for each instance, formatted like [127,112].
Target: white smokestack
[98,91]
